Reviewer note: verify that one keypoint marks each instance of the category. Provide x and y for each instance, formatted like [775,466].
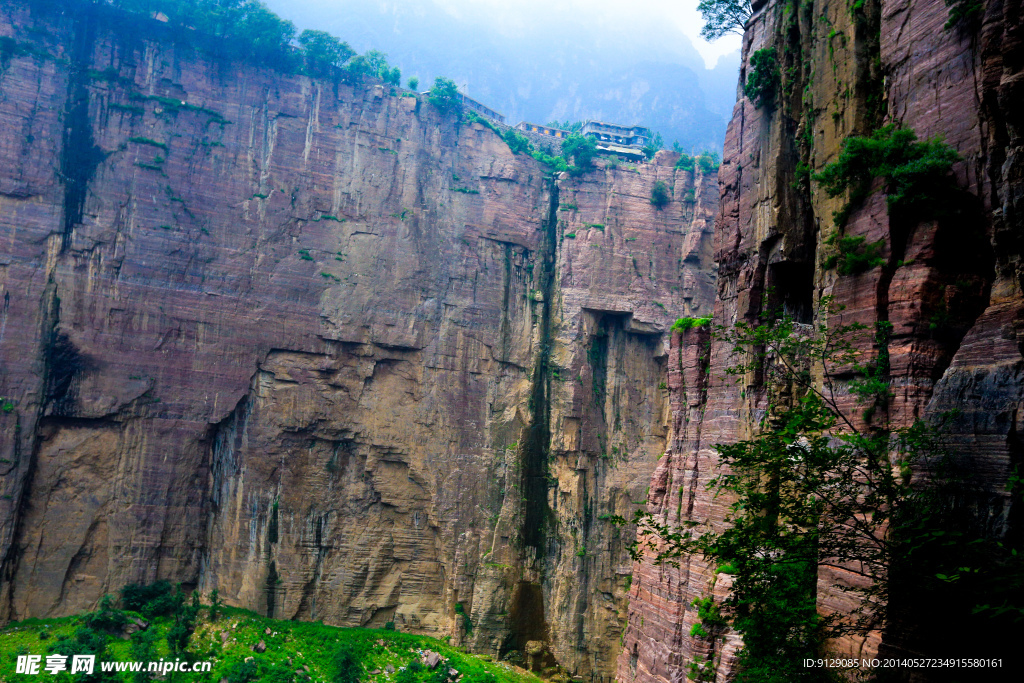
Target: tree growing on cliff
[581,149]
[444,95]
[723,16]
[323,52]
[660,196]
[651,148]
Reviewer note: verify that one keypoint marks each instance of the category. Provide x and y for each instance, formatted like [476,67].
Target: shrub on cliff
[854,254]
[685,324]
[444,95]
[966,13]
[248,29]
[517,142]
[917,175]
[764,78]
[374,64]
[660,195]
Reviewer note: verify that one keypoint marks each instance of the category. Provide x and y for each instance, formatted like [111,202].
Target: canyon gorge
[322,348]
[342,356]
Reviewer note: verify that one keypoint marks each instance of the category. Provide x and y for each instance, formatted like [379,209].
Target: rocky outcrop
[951,289]
[321,348]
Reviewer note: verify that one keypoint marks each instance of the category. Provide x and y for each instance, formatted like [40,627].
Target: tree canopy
[723,16]
[323,51]
[445,96]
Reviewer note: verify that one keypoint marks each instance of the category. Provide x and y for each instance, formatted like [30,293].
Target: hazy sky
[512,17]
[682,14]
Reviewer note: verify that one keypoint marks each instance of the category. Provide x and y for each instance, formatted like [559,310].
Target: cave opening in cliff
[526,618]
[790,290]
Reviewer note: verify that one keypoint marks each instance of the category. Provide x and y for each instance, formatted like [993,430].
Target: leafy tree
[708,161]
[143,649]
[410,674]
[359,67]
[215,604]
[571,126]
[84,641]
[265,36]
[723,16]
[377,64]
[581,150]
[444,95]
[414,83]
[323,52]
[653,146]
[966,13]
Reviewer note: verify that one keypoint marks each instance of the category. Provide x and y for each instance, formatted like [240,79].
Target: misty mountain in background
[537,63]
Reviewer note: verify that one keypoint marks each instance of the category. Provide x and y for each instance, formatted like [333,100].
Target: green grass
[684,324]
[291,646]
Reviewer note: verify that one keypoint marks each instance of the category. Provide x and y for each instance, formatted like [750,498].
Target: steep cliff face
[321,348]
[951,289]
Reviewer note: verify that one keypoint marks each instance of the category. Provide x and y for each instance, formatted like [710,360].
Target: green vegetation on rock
[660,195]
[916,175]
[241,646]
[444,95]
[854,255]
[684,324]
[763,81]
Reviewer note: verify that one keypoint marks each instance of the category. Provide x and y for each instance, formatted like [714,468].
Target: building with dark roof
[611,134]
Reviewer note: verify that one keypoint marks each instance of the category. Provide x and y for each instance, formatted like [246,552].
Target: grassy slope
[291,646]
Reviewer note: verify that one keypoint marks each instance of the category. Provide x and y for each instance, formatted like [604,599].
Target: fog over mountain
[537,61]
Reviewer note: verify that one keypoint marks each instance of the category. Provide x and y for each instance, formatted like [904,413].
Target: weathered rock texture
[951,289]
[321,348]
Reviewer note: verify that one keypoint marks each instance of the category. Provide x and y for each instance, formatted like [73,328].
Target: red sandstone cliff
[321,348]
[845,72]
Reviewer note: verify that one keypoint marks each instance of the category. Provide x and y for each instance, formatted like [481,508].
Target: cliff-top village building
[611,138]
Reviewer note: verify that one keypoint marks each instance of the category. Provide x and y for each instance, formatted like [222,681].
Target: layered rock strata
[951,289]
[317,346]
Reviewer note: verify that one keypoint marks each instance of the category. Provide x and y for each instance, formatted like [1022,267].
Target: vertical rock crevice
[80,156]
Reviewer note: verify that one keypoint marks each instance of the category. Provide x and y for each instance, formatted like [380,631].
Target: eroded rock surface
[317,346]
[951,289]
